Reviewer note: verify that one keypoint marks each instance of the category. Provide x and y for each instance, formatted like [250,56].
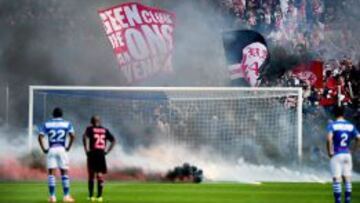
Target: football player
[56,130]
[95,141]
[340,135]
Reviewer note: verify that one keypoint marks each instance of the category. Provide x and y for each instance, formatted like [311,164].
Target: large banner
[141,38]
[246,55]
[311,73]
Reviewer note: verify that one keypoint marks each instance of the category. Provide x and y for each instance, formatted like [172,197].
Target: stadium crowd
[312,30]
[314,24]
[340,84]
[315,28]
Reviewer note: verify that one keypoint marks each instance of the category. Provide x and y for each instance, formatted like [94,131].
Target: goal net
[235,122]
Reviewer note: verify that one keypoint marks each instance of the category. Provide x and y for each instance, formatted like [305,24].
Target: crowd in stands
[341,86]
[317,25]
[283,22]
[319,28]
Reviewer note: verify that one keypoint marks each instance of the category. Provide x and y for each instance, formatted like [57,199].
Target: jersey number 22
[57,135]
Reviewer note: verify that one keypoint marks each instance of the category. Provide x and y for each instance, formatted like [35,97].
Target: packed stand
[341,86]
[318,25]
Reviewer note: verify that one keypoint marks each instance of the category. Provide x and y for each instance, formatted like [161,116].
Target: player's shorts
[57,157]
[341,165]
[96,162]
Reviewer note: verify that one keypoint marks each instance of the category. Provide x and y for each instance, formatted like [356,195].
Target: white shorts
[341,165]
[57,158]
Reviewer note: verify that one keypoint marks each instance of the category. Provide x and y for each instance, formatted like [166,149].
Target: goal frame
[299,107]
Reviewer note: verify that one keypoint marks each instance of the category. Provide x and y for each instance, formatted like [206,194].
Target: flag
[141,38]
[311,73]
[246,54]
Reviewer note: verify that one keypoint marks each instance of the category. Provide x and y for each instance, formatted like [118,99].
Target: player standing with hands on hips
[340,135]
[56,131]
[95,144]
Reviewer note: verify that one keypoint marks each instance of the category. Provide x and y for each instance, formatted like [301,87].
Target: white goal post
[221,117]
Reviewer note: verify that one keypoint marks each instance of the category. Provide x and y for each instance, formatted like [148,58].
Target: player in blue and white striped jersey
[57,130]
[340,135]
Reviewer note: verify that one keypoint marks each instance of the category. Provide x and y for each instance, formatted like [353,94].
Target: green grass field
[177,193]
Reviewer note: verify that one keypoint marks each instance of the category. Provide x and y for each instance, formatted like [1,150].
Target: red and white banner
[312,73]
[246,55]
[141,37]
[253,56]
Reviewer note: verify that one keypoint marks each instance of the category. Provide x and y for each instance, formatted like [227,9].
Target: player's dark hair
[93,119]
[57,112]
[339,111]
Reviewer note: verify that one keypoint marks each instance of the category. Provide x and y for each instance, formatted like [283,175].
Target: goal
[235,122]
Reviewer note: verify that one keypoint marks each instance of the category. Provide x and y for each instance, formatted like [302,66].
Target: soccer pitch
[178,193]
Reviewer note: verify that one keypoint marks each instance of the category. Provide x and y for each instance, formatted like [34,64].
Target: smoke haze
[158,159]
[63,43]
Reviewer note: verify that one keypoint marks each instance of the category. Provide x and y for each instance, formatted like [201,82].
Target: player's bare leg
[66,186]
[91,178]
[348,188]
[100,186]
[52,185]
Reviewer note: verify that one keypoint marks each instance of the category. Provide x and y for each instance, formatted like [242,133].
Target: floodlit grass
[32,192]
